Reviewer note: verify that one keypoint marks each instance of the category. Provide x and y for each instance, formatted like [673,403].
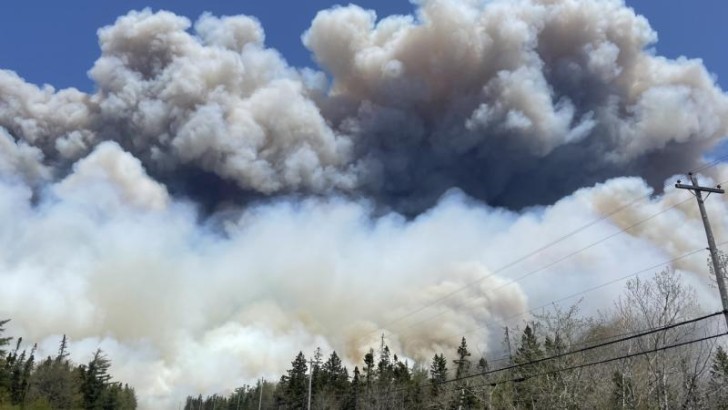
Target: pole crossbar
[697,191]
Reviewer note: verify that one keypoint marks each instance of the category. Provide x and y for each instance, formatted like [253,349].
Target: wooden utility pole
[310,379]
[508,344]
[260,396]
[697,192]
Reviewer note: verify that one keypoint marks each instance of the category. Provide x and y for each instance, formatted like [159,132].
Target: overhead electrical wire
[535,252]
[613,359]
[600,286]
[553,263]
[534,271]
[641,334]
[592,347]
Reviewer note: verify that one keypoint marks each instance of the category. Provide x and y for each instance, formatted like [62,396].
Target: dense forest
[655,349]
[57,383]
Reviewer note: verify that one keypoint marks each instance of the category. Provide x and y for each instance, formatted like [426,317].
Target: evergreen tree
[95,381]
[369,374]
[296,383]
[22,366]
[369,368]
[527,389]
[53,381]
[400,371]
[4,341]
[462,364]
[482,365]
[718,384]
[317,383]
[62,355]
[384,369]
[334,374]
[529,349]
[4,368]
[355,390]
[438,373]
[464,397]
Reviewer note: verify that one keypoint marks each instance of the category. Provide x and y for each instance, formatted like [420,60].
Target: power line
[643,333]
[600,286]
[523,257]
[613,359]
[553,263]
[711,164]
[533,253]
[542,268]
[573,295]
[592,347]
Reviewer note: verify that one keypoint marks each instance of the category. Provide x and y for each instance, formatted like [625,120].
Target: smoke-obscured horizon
[210,200]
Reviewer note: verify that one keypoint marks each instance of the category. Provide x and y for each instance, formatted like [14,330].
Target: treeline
[55,383]
[644,353]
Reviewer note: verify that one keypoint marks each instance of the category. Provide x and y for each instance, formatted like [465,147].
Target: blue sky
[50,41]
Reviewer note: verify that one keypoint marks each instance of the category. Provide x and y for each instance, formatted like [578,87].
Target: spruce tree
[527,389]
[95,380]
[438,373]
[296,383]
[334,374]
[464,397]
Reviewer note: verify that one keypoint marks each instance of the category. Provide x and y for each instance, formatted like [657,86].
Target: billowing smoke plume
[208,201]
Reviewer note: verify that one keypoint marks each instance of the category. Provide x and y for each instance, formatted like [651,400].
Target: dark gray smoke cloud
[515,102]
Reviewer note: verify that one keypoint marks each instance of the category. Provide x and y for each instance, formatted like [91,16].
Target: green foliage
[694,377]
[55,383]
[464,397]
[95,382]
[295,385]
[4,341]
[5,368]
[438,373]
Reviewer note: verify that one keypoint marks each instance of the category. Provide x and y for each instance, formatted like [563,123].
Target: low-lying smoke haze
[210,201]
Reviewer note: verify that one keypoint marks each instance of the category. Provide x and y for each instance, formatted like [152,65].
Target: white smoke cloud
[181,309]
[108,235]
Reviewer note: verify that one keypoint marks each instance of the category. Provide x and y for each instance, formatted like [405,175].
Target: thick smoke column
[517,102]
[209,202]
